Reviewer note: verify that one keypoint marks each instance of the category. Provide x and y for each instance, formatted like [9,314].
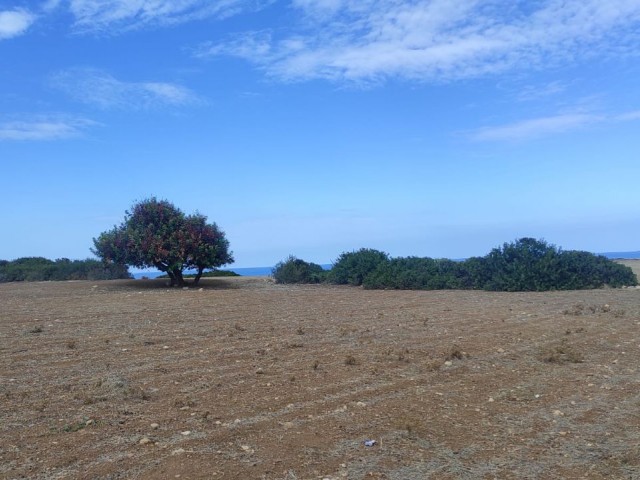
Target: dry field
[244,379]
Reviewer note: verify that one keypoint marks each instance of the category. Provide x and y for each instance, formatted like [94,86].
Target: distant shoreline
[266,271]
[243,272]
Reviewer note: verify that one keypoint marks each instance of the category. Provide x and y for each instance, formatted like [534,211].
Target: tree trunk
[198,275]
[168,271]
[179,280]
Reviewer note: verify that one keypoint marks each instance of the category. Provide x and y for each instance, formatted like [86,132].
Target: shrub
[351,268]
[533,265]
[42,269]
[414,273]
[295,270]
[524,265]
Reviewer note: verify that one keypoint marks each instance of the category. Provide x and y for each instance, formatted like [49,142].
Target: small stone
[186,432]
[155,426]
[491,399]
[89,422]
[361,404]
[558,413]
[165,347]
[501,350]
[448,363]
[259,372]
[246,448]
[144,441]
[177,451]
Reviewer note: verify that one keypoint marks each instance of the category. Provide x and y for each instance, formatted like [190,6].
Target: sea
[244,272]
[266,271]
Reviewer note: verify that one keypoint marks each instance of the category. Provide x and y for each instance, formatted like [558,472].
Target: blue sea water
[245,272]
[266,271]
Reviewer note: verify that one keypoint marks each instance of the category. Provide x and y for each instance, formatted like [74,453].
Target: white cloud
[50,5]
[543,126]
[628,116]
[41,128]
[535,127]
[15,22]
[97,87]
[437,40]
[114,15]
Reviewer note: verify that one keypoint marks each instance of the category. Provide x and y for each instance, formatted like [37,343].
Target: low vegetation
[34,269]
[295,270]
[524,265]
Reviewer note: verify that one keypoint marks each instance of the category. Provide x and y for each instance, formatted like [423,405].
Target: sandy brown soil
[245,379]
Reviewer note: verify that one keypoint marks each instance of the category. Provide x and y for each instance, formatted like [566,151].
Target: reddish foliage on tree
[156,234]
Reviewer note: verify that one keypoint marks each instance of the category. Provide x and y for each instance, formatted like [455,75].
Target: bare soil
[244,379]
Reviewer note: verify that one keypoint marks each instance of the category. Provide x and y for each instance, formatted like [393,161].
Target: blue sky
[437,128]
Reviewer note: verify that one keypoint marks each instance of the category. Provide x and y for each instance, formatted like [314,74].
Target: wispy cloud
[435,40]
[118,15]
[43,128]
[14,23]
[551,125]
[96,87]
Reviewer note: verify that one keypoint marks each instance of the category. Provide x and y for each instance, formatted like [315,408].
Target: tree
[155,233]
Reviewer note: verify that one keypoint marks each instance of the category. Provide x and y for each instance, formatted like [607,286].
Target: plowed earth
[244,379]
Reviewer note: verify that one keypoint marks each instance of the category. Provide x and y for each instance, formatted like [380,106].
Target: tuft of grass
[76,426]
[561,353]
[456,353]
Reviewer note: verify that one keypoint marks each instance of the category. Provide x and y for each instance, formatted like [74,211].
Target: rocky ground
[244,379]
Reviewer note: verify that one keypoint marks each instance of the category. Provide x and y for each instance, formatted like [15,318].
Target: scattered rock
[144,441]
[558,413]
[155,426]
[186,432]
[448,363]
[177,451]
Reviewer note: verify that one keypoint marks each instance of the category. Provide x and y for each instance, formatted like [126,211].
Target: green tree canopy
[351,268]
[155,233]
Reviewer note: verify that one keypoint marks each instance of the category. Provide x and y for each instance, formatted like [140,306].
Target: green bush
[414,273]
[351,268]
[31,269]
[524,265]
[295,270]
[534,265]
